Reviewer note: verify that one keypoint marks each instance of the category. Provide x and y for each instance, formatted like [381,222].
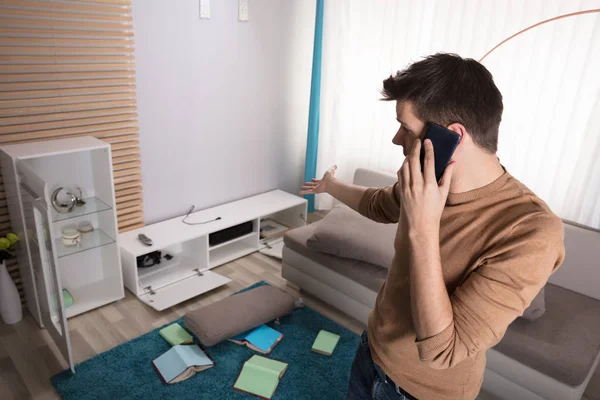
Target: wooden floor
[28,358]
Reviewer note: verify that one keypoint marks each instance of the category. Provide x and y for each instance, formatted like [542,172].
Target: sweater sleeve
[381,204]
[497,292]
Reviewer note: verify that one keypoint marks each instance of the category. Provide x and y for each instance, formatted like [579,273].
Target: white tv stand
[188,273]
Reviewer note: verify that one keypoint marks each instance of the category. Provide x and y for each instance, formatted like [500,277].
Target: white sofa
[517,369]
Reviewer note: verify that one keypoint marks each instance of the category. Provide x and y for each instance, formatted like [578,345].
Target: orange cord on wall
[597,10]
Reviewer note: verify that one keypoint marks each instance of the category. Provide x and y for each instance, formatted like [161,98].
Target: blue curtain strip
[312,140]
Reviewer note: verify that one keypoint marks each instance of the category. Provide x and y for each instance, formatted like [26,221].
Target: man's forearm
[431,307]
[351,195]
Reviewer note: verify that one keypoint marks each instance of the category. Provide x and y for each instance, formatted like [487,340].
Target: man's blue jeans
[367,380]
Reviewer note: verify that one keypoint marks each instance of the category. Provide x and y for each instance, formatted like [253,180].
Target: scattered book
[181,362]
[262,339]
[260,376]
[325,343]
[175,334]
[68,299]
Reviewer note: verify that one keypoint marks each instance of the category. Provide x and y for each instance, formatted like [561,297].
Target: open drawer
[186,288]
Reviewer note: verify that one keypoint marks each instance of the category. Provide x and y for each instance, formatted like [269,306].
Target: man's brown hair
[446,88]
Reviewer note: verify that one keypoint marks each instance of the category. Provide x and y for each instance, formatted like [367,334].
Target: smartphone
[444,144]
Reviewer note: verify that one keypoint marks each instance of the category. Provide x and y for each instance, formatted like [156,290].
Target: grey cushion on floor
[368,275]
[345,233]
[238,313]
[563,343]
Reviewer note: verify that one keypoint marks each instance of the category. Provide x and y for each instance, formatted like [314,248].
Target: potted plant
[10,301]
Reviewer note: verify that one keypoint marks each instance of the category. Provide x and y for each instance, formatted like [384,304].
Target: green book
[68,299]
[325,342]
[176,335]
[260,376]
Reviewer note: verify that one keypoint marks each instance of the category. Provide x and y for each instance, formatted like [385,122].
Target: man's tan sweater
[498,246]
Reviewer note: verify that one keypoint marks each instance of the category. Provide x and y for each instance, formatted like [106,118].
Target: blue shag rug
[126,372]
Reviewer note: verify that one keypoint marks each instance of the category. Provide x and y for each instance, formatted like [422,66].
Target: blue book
[181,362]
[262,339]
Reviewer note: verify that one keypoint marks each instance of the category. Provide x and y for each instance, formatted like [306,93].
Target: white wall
[223,105]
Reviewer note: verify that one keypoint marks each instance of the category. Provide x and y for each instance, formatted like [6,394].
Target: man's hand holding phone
[421,196]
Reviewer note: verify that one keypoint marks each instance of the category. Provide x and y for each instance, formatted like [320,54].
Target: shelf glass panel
[92,205]
[92,240]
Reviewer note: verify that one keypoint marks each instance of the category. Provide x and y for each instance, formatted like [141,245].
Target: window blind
[66,70]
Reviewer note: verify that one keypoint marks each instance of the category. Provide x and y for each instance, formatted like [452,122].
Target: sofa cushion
[537,308]
[368,275]
[345,233]
[238,313]
[563,343]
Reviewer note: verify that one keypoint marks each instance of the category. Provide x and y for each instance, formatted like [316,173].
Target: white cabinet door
[50,288]
[177,292]
[45,265]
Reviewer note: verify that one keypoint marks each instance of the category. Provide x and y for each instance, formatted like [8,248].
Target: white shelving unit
[188,273]
[91,271]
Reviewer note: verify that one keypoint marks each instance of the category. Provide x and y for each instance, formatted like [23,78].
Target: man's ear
[459,129]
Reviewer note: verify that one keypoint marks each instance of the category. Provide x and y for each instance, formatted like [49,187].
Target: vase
[10,301]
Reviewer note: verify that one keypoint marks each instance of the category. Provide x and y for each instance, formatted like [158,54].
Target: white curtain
[549,78]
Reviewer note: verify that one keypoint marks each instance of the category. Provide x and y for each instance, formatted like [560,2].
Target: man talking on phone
[471,251]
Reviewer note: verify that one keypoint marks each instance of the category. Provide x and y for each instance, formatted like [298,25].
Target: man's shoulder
[528,212]
[525,226]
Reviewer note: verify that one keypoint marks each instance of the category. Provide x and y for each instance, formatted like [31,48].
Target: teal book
[175,334]
[262,339]
[325,343]
[181,362]
[260,376]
